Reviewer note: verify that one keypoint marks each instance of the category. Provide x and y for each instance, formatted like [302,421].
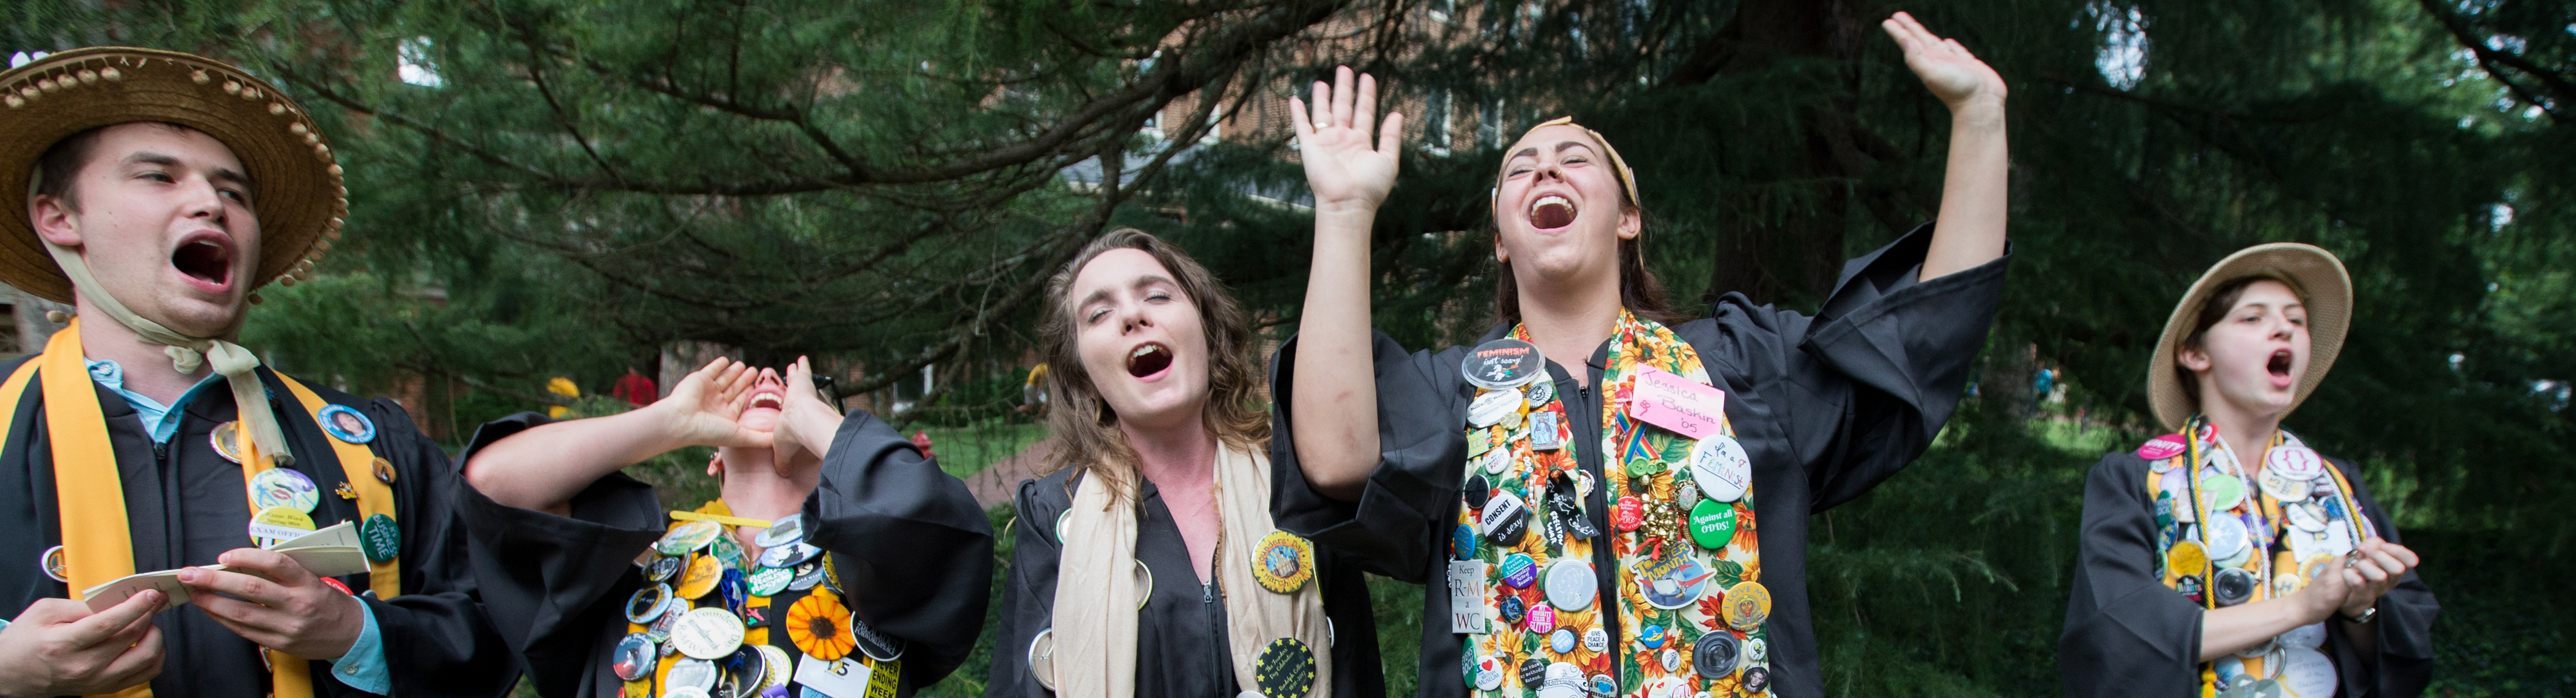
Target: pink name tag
[1667,400]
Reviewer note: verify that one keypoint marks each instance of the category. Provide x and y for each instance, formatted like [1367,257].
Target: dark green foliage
[878,181]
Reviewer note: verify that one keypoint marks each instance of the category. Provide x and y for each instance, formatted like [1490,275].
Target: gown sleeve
[2127,634]
[439,638]
[912,548]
[1028,596]
[2404,622]
[558,584]
[1390,529]
[1861,388]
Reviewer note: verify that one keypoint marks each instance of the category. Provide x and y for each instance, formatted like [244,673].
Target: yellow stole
[90,497]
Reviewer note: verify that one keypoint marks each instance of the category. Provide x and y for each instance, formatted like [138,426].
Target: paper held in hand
[330,552]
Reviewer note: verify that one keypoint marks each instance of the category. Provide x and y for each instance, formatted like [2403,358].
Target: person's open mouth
[768,398]
[1148,359]
[2279,366]
[206,257]
[1551,212]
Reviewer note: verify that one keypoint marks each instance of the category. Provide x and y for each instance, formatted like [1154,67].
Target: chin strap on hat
[187,354]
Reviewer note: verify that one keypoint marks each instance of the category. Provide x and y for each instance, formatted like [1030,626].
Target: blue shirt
[363,667]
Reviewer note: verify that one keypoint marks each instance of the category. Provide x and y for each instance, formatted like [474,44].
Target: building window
[1435,121]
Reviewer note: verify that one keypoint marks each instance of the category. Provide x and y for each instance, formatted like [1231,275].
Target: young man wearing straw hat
[158,191]
[2229,558]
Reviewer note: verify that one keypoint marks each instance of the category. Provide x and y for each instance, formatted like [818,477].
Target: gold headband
[1627,177]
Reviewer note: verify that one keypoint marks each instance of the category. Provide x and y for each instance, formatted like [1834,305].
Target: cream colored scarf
[1097,591]
[237,365]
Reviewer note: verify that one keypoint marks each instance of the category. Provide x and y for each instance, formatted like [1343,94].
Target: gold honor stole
[1688,599]
[90,497]
[2226,538]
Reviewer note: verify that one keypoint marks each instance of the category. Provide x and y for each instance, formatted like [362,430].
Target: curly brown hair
[1086,429]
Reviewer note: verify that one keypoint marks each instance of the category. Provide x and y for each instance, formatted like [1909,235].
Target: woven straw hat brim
[298,192]
[2329,304]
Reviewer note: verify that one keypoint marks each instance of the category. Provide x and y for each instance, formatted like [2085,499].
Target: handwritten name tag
[1665,399]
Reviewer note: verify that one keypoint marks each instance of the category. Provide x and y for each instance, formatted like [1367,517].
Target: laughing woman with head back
[1148,564]
[1579,490]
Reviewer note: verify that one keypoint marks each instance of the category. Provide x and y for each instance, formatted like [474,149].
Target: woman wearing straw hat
[2229,558]
[157,192]
[1579,492]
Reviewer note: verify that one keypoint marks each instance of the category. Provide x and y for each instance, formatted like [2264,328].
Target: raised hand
[57,647]
[806,424]
[704,409]
[1948,69]
[1342,168]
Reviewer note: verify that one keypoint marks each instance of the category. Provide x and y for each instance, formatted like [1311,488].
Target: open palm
[1947,68]
[1342,167]
[705,408]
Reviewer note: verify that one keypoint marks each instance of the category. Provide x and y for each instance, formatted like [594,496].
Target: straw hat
[301,199]
[2329,304]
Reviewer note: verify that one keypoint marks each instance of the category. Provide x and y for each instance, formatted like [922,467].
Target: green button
[1712,523]
[380,538]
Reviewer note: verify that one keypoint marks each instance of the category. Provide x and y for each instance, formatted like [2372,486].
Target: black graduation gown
[185,504]
[1181,645]
[2127,634]
[914,552]
[1827,407]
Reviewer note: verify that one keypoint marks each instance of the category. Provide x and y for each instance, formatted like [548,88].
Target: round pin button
[2223,492]
[2227,537]
[648,604]
[662,568]
[1489,676]
[700,577]
[776,665]
[1488,409]
[633,658]
[1283,562]
[1714,655]
[1476,491]
[346,424]
[380,538]
[1756,679]
[1503,363]
[282,487]
[2187,559]
[1571,585]
[2283,489]
[1562,641]
[692,674]
[2162,447]
[1542,618]
[1596,639]
[1712,524]
[226,439]
[1519,571]
[52,562]
[280,523]
[1747,605]
[1540,392]
[1628,514]
[1756,650]
[1533,672]
[876,645]
[1603,686]
[2305,516]
[788,555]
[383,470]
[708,633]
[1652,636]
[1720,467]
[687,536]
[2297,463]
[2233,586]
[768,581]
[1672,660]
[1505,520]
[1513,609]
[787,529]
[1462,542]
[1042,658]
